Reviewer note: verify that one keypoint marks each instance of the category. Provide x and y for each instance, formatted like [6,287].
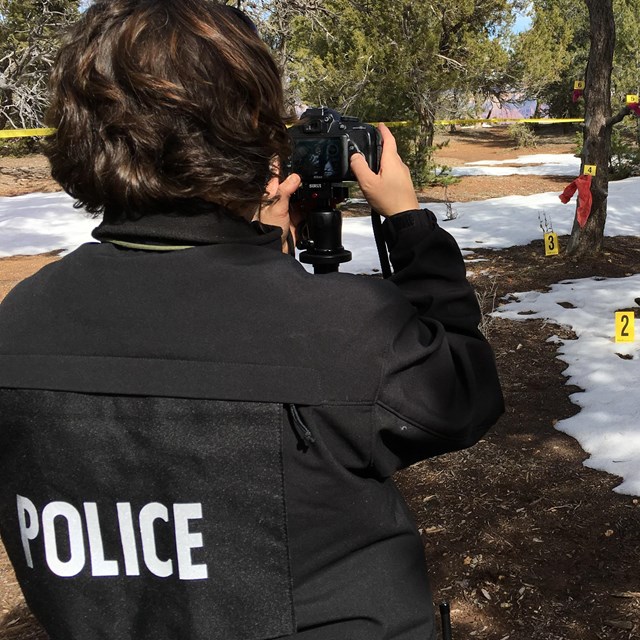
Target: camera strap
[383,254]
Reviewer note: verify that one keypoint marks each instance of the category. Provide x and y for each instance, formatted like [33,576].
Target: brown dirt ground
[523,540]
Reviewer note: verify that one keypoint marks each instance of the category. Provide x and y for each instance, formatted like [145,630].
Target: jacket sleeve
[439,390]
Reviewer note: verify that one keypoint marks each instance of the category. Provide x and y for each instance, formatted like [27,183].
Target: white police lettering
[27,531]
[63,511]
[62,528]
[182,513]
[99,565]
[148,515]
[128,538]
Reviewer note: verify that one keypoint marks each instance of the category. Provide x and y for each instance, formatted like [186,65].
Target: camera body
[324,142]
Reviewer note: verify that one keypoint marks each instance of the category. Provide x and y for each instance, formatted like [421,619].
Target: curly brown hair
[160,102]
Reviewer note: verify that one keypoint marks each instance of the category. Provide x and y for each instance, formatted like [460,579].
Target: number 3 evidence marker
[551,246]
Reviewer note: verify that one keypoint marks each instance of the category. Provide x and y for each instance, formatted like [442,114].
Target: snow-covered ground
[607,426]
[562,164]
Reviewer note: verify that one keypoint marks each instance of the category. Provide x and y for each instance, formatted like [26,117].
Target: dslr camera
[322,145]
[324,142]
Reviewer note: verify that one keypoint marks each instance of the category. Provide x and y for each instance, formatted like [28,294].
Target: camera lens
[332,150]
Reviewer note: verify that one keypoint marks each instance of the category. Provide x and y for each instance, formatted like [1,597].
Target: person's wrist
[402,208]
[399,206]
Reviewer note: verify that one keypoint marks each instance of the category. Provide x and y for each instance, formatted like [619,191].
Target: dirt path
[19,176]
[523,540]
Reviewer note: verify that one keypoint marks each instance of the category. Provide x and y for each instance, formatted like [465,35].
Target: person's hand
[278,214]
[391,190]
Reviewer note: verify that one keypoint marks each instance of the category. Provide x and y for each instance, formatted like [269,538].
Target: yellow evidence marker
[551,245]
[625,326]
[589,170]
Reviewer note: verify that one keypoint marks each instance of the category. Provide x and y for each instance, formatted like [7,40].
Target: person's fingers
[390,159]
[388,139]
[281,192]
[296,214]
[277,213]
[360,168]
[287,189]
[272,187]
[290,185]
[391,190]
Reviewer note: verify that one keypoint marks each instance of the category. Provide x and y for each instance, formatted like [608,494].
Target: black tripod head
[321,231]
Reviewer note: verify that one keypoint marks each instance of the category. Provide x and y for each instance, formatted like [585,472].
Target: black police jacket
[198,443]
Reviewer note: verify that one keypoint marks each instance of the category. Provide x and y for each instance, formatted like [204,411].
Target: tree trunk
[597,133]
[420,163]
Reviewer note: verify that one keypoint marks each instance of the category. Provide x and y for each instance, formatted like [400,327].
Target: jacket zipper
[301,428]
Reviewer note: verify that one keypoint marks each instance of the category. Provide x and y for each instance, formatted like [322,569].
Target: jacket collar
[207,225]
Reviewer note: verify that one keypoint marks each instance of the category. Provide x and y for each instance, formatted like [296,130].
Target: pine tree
[550,56]
[399,60]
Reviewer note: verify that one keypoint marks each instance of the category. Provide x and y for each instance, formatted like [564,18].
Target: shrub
[625,151]
[523,135]
[19,147]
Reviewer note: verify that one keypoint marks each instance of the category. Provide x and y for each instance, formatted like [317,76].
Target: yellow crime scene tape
[406,123]
[495,120]
[27,133]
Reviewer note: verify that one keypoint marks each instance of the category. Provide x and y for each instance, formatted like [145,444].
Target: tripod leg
[445,615]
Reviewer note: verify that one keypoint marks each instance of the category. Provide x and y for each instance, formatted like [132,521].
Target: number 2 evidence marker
[625,327]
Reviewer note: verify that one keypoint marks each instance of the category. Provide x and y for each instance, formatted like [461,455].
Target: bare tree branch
[25,60]
[619,117]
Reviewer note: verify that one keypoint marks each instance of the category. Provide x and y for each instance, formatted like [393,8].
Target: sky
[607,425]
[522,23]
